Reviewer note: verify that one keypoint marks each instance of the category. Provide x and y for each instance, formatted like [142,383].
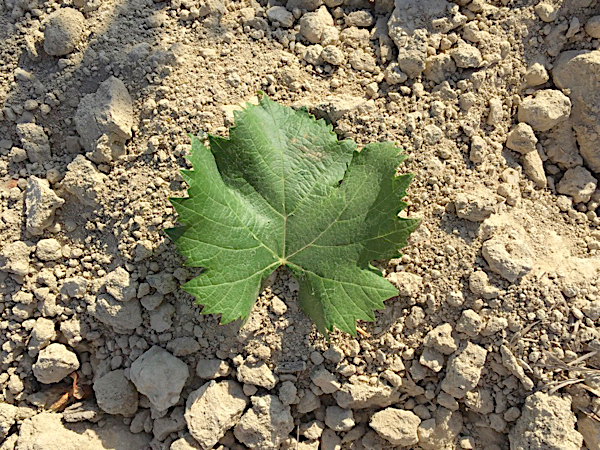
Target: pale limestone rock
[213,409]
[579,71]
[355,37]
[397,426]
[54,363]
[183,346]
[84,181]
[160,376]
[536,75]
[412,15]
[325,380]
[476,205]
[330,36]
[546,11]
[546,109]
[35,141]
[562,149]
[589,429]
[40,204]
[64,29]
[522,139]
[412,61]
[439,67]
[14,258]
[479,284]
[71,330]
[163,282]
[440,338]
[480,400]
[447,401]
[313,24]
[256,373]
[533,167]
[42,333]
[117,283]
[464,370]
[441,431]
[333,55]
[432,134]
[578,183]
[280,15]
[358,395]
[304,5]
[372,440]
[48,250]
[308,402]
[330,440]
[115,394]
[393,74]
[287,393]
[415,318]
[508,255]
[339,419]
[161,318]
[467,56]
[164,426]
[408,284]
[469,323]
[8,415]
[210,369]
[592,27]
[479,148]
[432,359]
[312,54]
[278,306]
[74,287]
[121,316]
[362,60]
[266,425]
[335,108]
[104,119]
[360,18]
[546,423]
[591,310]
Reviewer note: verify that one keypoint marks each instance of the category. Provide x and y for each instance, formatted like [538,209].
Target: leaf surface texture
[283,190]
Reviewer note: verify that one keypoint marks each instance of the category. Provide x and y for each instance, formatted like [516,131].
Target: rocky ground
[493,341]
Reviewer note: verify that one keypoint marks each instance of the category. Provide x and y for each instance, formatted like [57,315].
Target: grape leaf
[283,190]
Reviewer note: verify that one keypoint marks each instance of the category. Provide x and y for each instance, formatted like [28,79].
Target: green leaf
[283,190]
